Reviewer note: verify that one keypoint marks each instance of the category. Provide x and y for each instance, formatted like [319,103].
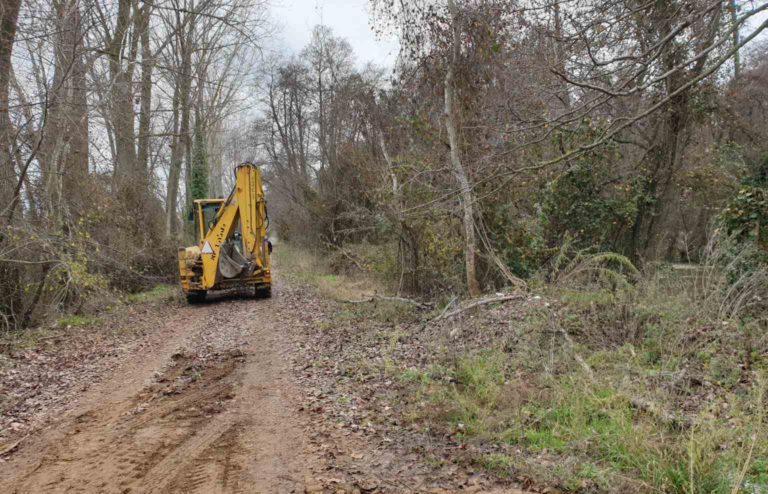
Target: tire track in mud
[216,469]
[147,442]
[211,420]
[214,407]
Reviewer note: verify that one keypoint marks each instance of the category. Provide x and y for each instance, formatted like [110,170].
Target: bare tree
[209,39]
[9,13]
[461,175]
[430,31]
[330,60]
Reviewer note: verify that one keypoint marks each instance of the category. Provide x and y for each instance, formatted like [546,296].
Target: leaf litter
[350,411]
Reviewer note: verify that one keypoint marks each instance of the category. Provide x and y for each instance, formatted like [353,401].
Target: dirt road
[234,395]
[210,409]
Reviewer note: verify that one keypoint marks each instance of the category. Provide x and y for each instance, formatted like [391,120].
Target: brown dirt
[205,411]
[213,403]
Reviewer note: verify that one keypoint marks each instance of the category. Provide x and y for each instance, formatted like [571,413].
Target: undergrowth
[319,270]
[158,293]
[92,319]
[607,379]
[627,381]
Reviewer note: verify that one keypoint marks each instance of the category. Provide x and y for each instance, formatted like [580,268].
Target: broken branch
[420,305]
[478,303]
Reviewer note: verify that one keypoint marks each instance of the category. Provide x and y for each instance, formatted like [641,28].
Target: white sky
[348,18]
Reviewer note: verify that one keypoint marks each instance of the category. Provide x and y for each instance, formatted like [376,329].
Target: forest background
[509,136]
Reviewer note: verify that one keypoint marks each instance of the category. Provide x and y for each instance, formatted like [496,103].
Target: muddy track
[207,411]
[224,397]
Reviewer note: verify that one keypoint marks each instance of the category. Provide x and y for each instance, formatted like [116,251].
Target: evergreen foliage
[198,180]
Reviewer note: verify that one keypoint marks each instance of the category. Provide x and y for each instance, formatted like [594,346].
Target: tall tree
[330,60]
[147,67]
[451,125]
[198,181]
[121,66]
[433,35]
[669,50]
[9,14]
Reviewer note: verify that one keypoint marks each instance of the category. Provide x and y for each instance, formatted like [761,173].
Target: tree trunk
[390,169]
[63,119]
[187,140]
[461,175]
[560,59]
[214,160]
[736,57]
[674,133]
[9,14]
[321,114]
[172,197]
[146,92]
[76,167]
[9,273]
[185,100]
[121,104]
[180,142]
[650,223]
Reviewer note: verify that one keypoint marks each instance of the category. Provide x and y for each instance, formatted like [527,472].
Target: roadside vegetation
[100,318]
[630,222]
[603,379]
[501,134]
[326,272]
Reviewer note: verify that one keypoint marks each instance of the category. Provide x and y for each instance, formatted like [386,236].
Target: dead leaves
[355,398]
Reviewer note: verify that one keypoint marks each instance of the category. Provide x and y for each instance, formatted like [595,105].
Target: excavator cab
[205,210]
[233,249]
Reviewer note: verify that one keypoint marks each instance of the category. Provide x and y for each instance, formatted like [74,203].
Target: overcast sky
[347,18]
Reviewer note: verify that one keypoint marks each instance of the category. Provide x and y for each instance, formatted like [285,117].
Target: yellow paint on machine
[233,235]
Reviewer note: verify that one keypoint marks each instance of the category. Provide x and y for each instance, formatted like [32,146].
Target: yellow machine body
[234,250]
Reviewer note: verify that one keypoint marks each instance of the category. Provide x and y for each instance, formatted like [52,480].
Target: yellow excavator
[234,249]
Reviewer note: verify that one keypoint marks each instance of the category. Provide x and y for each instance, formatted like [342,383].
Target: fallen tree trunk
[477,304]
[416,303]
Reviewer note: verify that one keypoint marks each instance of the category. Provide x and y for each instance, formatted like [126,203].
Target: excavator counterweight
[234,249]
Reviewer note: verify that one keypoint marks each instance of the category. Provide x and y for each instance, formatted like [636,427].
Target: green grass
[471,400]
[496,462]
[480,375]
[597,425]
[74,321]
[526,390]
[415,376]
[158,293]
[586,423]
[28,339]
